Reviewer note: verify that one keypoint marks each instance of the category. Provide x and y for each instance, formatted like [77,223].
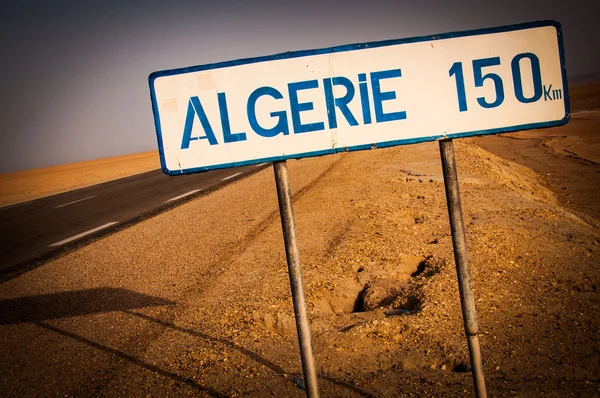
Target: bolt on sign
[361,96]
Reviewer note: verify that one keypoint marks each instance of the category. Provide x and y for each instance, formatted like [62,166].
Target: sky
[74,74]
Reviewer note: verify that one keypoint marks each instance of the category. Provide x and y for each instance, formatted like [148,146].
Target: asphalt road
[33,232]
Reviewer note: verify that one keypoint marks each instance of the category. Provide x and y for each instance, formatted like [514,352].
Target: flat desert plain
[22,186]
[196,301]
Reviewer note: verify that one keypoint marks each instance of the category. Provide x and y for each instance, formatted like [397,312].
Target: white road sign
[360,96]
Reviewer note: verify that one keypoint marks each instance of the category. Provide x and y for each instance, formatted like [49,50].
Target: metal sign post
[461,258]
[288,225]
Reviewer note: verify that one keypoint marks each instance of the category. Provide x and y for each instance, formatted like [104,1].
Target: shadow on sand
[271,365]
[38,309]
[34,309]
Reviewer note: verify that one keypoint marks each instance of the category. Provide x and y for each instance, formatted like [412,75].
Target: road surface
[35,231]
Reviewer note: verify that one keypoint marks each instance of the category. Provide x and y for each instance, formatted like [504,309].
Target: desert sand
[196,301]
[22,186]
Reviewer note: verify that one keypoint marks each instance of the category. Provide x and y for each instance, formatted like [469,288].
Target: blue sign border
[351,47]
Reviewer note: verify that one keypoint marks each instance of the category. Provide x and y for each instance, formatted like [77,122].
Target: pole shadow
[251,354]
[35,309]
[39,309]
[134,360]
[42,308]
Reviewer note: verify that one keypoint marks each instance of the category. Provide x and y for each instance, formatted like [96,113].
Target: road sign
[360,96]
[363,96]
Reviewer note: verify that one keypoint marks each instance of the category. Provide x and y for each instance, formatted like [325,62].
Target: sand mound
[520,179]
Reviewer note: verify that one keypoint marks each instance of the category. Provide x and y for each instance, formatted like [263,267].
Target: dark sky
[74,73]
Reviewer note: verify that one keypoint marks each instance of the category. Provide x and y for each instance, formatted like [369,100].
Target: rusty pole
[461,258]
[288,225]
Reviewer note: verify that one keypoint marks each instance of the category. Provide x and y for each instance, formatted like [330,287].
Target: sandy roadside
[203,304]
[160,259]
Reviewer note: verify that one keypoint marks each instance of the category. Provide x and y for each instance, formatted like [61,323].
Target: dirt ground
[196,301]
